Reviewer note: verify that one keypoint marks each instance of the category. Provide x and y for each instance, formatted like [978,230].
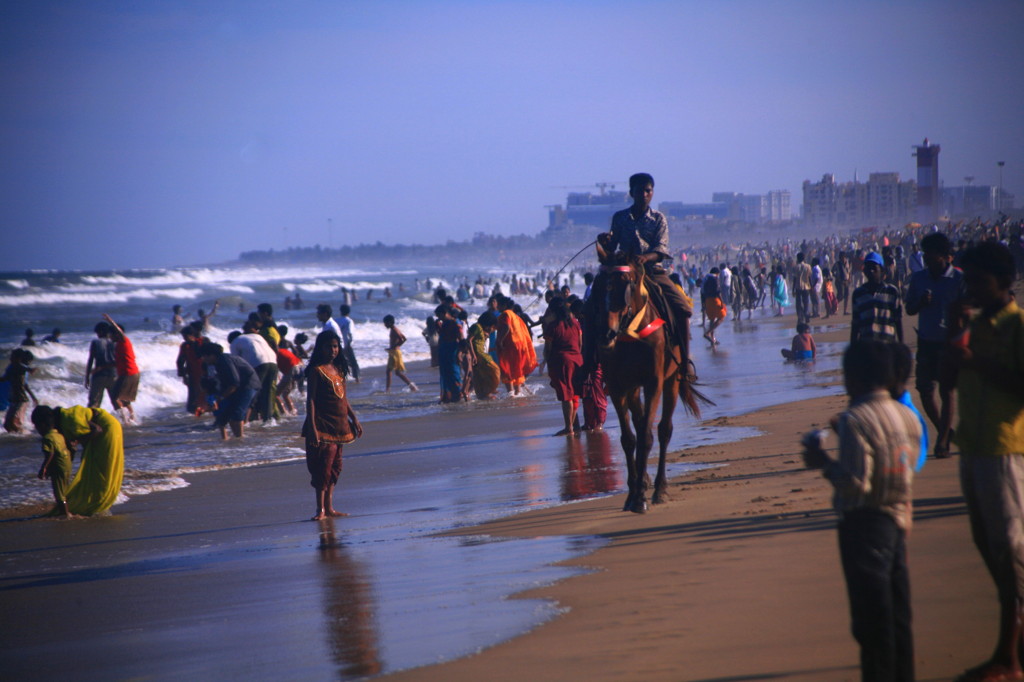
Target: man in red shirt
[126,387]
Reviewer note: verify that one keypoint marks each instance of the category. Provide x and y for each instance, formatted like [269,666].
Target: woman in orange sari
[516,355]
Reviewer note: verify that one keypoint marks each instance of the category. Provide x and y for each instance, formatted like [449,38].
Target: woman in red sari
[563,336]
[516,355]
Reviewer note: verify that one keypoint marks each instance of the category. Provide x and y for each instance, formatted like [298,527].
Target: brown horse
[641,368]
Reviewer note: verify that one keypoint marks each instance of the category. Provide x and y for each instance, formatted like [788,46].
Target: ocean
[164,444]
[141,302]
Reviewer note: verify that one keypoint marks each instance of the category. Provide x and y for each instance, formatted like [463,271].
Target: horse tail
[691,396]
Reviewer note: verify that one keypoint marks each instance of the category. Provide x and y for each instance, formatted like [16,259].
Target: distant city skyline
[180,132]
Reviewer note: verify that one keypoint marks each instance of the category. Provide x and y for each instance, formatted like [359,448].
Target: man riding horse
[630,339]
[641,234]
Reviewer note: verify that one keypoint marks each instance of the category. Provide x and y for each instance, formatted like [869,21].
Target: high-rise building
[927,181]
[778,207]
[820,201]
[882,200]
[974,201]
[586,208]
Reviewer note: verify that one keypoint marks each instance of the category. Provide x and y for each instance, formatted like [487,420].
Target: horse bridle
[628,294]
[626,313]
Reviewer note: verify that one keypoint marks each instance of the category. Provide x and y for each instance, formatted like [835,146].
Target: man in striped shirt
[878,444]
[877,307]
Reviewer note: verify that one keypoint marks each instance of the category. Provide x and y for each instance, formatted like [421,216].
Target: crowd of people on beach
[970,345]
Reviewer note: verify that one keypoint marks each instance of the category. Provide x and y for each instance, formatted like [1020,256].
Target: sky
[168,133]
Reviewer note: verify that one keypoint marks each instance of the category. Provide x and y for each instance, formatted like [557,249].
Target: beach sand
[737,577]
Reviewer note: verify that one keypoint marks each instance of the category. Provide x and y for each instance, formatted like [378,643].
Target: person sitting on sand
[803,348]
[878,445]
[330,420]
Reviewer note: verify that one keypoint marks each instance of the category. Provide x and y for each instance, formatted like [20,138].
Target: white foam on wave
[131,487]
[87,297]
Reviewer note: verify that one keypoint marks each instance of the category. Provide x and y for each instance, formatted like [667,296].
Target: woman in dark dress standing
[330,420]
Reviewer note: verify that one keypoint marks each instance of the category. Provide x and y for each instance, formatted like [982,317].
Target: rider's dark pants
[681,308]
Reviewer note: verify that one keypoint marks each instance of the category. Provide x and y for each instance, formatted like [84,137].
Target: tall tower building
[927,181]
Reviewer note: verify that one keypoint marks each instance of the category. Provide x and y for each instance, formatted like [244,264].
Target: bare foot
[320,516]
[564,432]
[991,672]
[336,514]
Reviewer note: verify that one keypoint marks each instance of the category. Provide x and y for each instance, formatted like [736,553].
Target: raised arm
[113,324]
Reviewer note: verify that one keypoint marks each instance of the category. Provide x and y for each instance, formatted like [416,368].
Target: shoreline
[737,576]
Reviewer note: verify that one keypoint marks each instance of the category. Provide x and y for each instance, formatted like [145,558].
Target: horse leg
[643,420]
[669,400]
[628,442]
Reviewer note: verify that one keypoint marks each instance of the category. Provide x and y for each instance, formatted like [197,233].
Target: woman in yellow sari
[97,482]
[486,375]
[516,355]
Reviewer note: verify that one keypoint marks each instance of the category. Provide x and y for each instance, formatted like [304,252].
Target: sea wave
[58,297]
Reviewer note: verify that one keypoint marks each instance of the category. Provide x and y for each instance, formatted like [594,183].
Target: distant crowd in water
[256,373]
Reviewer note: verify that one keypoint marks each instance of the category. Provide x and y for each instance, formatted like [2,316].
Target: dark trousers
[681,309]
[350,358]
[873,551]
[803,305]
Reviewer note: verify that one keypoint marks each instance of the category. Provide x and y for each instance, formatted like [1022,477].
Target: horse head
[624,295]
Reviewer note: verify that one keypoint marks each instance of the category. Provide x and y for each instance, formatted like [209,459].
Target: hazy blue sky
[138,134]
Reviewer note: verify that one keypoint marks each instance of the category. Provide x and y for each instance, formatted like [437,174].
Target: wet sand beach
[737,577]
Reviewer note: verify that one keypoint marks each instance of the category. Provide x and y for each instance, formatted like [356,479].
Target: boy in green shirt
[991,439]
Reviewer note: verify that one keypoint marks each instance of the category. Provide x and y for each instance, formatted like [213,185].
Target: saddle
[652,316]
[665,311]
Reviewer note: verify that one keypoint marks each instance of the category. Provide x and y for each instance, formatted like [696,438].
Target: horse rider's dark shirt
[634,237]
